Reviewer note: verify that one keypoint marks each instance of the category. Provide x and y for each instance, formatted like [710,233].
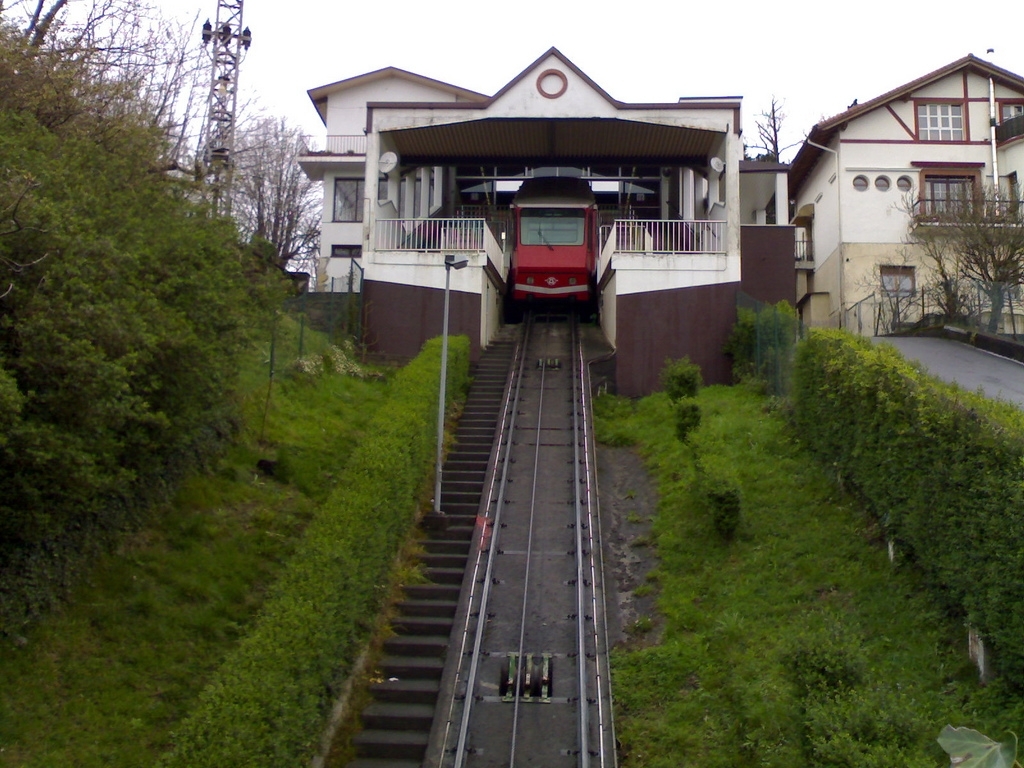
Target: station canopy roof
[552,141]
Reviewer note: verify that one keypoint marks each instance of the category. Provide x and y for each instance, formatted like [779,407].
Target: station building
[414,169]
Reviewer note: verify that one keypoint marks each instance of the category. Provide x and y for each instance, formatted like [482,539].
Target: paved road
[971,368]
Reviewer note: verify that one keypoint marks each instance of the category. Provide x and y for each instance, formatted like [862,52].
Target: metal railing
[669,236]
[430,235]
[804,250]
[969,208]
[339,145]
[1010,128]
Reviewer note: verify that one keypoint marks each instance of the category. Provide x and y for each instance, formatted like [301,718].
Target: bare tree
[160,68]
[769,133]
[975,236]
[273,198]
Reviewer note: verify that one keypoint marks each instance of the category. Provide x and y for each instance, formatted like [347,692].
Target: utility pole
[229,41]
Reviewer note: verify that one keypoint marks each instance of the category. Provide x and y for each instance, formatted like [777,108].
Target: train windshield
[551,226]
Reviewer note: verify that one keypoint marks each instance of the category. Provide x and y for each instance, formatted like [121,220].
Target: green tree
[123,307]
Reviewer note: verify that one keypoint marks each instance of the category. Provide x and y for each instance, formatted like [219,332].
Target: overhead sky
[815,58]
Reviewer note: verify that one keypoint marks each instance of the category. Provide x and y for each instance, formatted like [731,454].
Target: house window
[346,251]
[860,183]
[943,194]
[904,184]
[348,199]
[940,122]
[897,281]
[882,183]
[1010,111]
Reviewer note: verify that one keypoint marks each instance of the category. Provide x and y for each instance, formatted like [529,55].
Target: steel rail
[606,720]
[581,648]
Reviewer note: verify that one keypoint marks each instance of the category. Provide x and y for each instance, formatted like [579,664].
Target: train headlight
[529,281]
[572,281]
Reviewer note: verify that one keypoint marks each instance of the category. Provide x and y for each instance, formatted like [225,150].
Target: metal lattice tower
[229,41]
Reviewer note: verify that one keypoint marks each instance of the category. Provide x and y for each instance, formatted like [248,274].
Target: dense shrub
[681,378]
[942,469]
[687,413]
[266,705]
[825,658]
[720,488]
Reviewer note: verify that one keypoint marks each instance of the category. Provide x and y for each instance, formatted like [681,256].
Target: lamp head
[455,260]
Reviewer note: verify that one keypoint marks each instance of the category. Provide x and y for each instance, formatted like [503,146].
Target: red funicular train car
[556,240]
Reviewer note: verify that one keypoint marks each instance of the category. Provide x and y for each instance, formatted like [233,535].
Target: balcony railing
[669,236]
[980,210]
[430,235]
[1010,129]
[804,250]
[350,146]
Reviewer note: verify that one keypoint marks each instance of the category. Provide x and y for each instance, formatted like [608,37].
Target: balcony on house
[343,146]
[1010,128]
[804,250]
[979,209]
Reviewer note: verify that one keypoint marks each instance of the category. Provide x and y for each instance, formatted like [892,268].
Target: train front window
[551,226]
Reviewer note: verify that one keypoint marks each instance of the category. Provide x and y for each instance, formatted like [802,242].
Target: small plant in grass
[687,413]
[681,378]
[826,658]
[643,590]
[641,626]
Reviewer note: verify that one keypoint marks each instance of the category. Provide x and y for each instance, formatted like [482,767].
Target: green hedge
[943,470]
[267,704]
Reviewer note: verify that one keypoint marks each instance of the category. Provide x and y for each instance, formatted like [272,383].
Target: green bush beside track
[267,704]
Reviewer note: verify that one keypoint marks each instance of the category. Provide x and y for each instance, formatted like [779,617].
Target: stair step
[434,646]
[476,477]
[444,560]
[412,667]
[422,625]
[440,547]
[440,609]
[446,575]
[398,717]
[432,592]
[455,533]
[371,762]
[410,745]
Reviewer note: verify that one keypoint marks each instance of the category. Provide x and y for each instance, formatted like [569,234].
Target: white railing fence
[669,236]
[430,234]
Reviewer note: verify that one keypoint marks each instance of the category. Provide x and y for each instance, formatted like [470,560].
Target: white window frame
[353,210]
[940,122]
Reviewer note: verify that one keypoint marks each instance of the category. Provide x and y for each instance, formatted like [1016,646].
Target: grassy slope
[719,688]
[103,683]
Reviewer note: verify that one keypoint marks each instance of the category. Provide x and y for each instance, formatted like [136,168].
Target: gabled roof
[824,131]
[320,94]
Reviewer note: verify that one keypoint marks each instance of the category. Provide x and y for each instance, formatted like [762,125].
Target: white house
[860,175]
[414,168]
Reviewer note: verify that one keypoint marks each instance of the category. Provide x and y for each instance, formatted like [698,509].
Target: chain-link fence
[763,343]
[992,308]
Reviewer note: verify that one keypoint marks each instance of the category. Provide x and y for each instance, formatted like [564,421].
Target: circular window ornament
[552,83]
[882,183]
[860,183]
[904,184]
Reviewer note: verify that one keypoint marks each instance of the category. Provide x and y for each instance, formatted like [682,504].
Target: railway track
[530,682]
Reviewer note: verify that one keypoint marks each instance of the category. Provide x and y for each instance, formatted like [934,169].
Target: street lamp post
[451,261]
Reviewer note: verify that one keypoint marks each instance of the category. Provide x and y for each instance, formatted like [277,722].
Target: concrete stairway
[396,726]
